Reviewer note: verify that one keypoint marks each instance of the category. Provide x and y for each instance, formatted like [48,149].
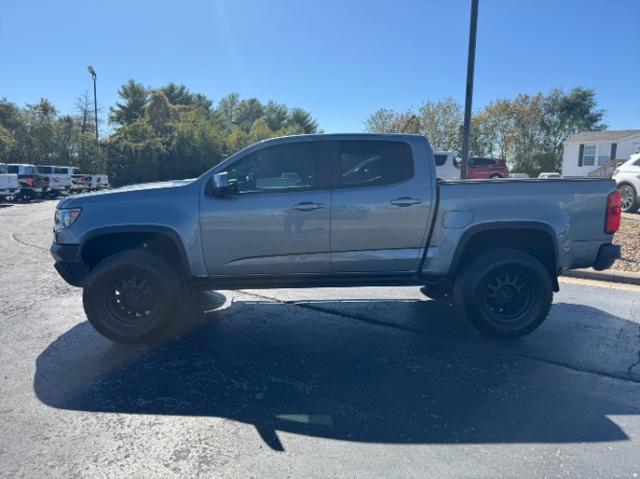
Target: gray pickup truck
[333,210]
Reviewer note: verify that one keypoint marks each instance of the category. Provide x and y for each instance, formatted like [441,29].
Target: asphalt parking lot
[355,382]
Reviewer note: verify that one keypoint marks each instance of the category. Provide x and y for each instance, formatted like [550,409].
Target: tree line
[527,131]
[156,133]
[172,132]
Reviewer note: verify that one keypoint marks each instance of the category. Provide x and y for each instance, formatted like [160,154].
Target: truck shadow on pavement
[425,377]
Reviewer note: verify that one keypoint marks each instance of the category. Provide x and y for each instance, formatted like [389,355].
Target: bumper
[9,191]
[68,263]
[607,255]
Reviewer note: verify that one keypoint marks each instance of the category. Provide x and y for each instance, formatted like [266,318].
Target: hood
[124,191]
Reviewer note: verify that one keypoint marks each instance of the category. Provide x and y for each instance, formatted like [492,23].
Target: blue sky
[341,60]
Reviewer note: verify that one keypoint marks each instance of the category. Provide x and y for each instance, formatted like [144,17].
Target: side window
[13,169]
[440,159]
[60,171]
[44,169]
[292,166]
[373,163]
[482,162]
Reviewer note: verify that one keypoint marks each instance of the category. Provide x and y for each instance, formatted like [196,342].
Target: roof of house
[602,135]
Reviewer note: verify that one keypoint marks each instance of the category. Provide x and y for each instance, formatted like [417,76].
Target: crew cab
[333,210]
[32,184]
[9,185]
[59,180]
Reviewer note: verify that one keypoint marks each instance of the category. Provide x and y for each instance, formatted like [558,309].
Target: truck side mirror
[218,185]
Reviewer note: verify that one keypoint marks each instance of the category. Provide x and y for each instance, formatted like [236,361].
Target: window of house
[604,154]
[374,163]
[589,155]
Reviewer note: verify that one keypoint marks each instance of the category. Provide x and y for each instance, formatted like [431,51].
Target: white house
[587,151]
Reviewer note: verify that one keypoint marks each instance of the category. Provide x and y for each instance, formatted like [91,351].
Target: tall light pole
[468,100]
[95,102]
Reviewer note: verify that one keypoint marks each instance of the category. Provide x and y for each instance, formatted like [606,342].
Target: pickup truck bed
[328,210]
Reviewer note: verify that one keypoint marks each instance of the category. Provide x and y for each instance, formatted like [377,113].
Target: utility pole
[95,102]
[468,100]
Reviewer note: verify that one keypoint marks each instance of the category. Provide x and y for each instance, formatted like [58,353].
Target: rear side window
[3,169]
[60,171]
[44,169]
[440,159]
[13,169]
[374,163]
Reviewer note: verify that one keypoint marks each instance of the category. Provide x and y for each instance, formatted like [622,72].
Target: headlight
[65,218]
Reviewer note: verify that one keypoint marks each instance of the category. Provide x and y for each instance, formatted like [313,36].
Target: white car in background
[59,180]
[447,165]
[9,185]
[82,182]
[627,177]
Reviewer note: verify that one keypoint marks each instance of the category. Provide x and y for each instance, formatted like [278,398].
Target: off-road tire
[504,293]
[132,296]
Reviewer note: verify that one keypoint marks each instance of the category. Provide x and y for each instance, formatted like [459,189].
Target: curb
[609,275]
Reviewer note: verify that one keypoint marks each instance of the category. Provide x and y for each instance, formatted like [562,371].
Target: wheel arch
[100,243]
[532,237]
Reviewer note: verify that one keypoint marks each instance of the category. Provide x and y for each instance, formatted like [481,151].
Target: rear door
[380,207]
[278,221]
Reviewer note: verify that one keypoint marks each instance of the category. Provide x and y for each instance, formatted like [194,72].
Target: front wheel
[504,293]
[132,296]
[629,195]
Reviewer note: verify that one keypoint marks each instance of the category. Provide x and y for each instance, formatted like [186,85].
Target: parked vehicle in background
[59,180]
[549,174]
[9,185]
[99,182]
[486,168]
[447,165]
[83,182]
[32,184]
[333,210]
[627,177]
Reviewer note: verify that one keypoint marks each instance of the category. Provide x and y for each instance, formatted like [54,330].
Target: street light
[466,129]
[94,75]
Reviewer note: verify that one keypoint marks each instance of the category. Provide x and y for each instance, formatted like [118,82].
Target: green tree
[134,97]
[381,121]
[440,122]
[301,121]
[275,114]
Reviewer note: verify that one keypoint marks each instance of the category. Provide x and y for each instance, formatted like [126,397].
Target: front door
[278,221]
[380,208]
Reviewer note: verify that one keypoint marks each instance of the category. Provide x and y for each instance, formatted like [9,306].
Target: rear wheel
[495,176]
[505,293]
[132,297]
[629,195]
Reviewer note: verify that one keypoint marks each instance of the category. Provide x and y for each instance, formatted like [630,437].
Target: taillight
[614,212]
[29,181]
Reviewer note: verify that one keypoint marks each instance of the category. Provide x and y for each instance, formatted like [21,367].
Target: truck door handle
[307,206]
[404,201]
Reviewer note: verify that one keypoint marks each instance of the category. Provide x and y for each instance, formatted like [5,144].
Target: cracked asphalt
[350,382]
